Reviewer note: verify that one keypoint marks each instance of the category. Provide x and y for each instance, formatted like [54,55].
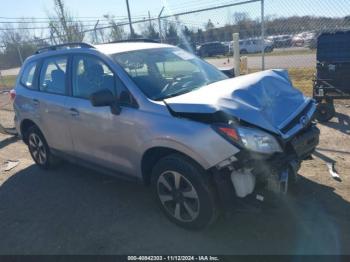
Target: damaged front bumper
[249,173]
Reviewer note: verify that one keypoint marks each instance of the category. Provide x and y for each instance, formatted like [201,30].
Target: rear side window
[53,75]
[27,78]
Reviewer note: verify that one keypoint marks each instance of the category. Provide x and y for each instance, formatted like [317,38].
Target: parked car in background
[281,41]
[311,40]
[212,49]
[157,114]
[301,39]
[255,45]
[188,46]
[311,43]
[298,40]
[228,46]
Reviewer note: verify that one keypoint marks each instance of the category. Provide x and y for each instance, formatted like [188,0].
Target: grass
[286,53]
[301,78]
[7,82]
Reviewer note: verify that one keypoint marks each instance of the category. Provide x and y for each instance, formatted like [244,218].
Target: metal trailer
[332,79]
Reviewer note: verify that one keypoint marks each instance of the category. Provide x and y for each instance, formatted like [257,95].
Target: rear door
[26,92]
[51,99]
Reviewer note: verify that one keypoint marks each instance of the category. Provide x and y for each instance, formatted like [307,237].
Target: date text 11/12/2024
[173,258]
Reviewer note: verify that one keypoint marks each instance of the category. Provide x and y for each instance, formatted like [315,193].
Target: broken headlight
[250,138]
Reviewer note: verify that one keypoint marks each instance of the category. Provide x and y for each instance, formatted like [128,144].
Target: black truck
[332,79]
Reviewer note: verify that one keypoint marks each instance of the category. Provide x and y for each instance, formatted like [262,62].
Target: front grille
[305,142]
[296,120]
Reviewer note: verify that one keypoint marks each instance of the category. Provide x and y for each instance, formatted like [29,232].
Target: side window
[124,96]
[91,75]
[27,78]
[53,75]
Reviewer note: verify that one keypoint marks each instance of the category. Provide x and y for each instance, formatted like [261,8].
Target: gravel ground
[72,210]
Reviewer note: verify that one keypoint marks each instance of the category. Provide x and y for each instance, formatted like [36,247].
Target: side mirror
[105,98]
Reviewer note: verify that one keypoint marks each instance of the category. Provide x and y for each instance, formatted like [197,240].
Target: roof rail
[142,40]
[61,46]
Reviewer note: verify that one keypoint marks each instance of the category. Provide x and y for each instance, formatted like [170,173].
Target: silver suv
[155,113]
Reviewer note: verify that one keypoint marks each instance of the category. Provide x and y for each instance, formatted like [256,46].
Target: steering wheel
[177,80]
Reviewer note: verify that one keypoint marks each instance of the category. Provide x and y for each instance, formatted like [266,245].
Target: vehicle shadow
[342,123]
[72,210]
[7,141]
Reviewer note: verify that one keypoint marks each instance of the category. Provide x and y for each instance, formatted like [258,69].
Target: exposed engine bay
[266,118]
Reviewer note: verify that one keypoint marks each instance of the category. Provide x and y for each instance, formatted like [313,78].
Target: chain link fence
[6,112]
[289,29]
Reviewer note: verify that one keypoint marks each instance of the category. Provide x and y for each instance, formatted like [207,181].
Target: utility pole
[236,54]
[130,24]
[95,31]
[263,34]
[19,54]
[160,25]
[149,19]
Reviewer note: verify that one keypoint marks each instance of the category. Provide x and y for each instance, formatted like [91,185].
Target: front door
[98,135]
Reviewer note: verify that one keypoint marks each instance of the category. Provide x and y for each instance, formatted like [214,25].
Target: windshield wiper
[183,91]
[178,93]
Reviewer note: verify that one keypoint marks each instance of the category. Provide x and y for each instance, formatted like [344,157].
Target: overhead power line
[48,21]
[120,19]
[44,27]
[143,19]
[75,17]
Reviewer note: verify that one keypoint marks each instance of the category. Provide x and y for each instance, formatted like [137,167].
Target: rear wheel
[39,150]
[325,111]
[183,192]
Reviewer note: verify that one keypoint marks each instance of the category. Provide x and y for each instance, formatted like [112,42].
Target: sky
[92,9]
[39,8]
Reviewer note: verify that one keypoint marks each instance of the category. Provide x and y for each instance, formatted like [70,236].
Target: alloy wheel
[37,148]
[178,196]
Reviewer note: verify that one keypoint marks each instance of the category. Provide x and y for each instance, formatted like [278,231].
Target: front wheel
[183,192]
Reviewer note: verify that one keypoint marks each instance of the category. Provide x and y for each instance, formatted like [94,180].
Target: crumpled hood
[266,99]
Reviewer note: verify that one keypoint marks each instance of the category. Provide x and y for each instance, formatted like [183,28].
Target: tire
[39,149]
[325,112]
[244,52]
[189,203]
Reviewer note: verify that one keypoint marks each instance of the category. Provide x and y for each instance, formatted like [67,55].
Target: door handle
[74,112]
[36,102]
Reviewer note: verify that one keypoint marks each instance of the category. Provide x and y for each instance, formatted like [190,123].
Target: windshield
[167,72]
